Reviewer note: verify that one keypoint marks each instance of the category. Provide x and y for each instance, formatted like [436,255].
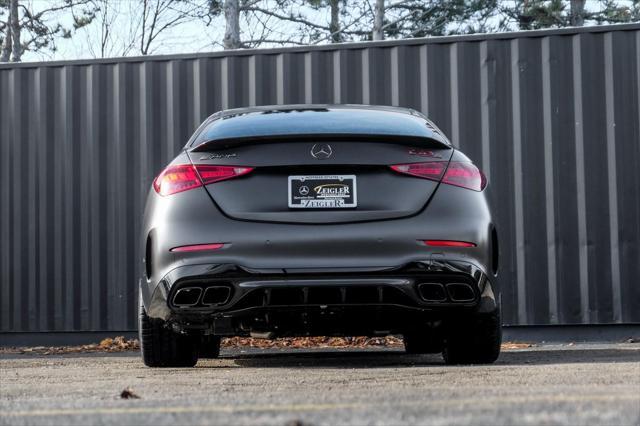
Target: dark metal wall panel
[469,100]
[560,126]
[552,117]
[624,75]
[501,169]
[439,86]
[597,175]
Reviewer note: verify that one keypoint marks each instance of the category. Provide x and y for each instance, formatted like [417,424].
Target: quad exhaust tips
[460,292]
[187,296]
[454,292]
[202,296]
[216,295]
[432,292]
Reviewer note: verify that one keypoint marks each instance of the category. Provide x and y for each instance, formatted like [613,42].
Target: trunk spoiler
[221,144]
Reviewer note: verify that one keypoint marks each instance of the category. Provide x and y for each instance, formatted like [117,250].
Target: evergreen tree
[25,28]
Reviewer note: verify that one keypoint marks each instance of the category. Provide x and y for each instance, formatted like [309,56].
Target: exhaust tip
[187,296]
[432,292]
[216,295]
[461,292]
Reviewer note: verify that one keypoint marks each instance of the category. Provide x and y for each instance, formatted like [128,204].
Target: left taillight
[182,177]
[465,175]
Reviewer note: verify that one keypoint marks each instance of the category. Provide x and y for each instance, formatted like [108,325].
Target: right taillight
[465,175]
[182,177]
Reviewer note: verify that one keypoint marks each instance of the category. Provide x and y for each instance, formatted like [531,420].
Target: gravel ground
[572,385]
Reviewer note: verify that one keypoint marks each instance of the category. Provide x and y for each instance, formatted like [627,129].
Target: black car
[307,220]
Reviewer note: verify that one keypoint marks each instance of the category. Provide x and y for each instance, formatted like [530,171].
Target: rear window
[317,121]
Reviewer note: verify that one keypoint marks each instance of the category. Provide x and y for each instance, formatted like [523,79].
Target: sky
[191,36]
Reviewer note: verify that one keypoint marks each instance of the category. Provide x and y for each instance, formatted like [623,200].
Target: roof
[318,120]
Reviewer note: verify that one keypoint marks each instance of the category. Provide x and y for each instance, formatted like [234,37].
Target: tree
[378,21]
[159,16]
[615,12]
[345,20]
[5,33]
[420,18]
[359,20]
[576,16]
[122,28]
[107,14]
[36,26]
[537,14]
[232,29]
[12,46]
[264,21]
[334,25]
[258,16]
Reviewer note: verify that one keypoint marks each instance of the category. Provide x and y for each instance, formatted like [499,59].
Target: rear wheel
[209,347]
[474,341]
[162,347]
[423,342]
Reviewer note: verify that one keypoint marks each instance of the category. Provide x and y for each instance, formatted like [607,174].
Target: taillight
[432,170]
[182,177]
[465,175]
[175,179]
[210,174]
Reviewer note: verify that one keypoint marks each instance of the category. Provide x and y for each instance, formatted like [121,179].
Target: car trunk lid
[354,171]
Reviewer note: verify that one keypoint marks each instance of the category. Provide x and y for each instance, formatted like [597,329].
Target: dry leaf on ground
[120,344]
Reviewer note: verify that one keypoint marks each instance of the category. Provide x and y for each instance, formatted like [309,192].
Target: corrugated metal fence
[553,118]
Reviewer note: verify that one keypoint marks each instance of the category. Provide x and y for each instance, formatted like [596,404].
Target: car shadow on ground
[336,358]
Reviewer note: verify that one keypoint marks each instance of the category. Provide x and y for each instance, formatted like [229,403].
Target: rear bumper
[453,214]
[201,296]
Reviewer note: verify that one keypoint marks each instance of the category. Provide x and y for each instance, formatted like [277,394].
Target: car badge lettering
[321,151]
[423,153]
[218,156]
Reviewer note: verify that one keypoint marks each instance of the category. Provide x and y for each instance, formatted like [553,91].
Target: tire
[423,343]
[475,341]
[162,347]
[210,347]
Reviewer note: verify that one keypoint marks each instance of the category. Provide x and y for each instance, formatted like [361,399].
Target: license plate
[322,192]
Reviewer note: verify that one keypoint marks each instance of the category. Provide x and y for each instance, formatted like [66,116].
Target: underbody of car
[319,220]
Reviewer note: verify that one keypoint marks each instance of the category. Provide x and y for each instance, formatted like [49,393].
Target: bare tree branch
[291,18]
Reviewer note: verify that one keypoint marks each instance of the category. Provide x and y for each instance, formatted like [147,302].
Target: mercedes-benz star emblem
[304,190]
[321,151]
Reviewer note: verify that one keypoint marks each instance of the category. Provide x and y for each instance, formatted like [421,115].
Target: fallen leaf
[105,343]
[127,393]
[516,345]
[312,342]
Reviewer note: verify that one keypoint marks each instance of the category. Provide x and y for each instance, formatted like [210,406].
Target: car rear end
[323,228]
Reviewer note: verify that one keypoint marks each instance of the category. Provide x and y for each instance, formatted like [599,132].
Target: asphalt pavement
[566,385]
